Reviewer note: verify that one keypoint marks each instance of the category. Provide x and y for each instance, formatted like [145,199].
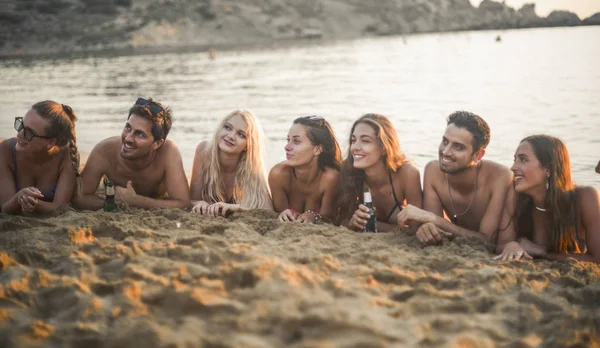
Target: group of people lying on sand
[531,210]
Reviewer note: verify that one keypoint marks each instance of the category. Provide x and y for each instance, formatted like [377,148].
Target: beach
[169,278]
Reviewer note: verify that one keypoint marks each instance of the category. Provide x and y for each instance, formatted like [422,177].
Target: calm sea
[533,81]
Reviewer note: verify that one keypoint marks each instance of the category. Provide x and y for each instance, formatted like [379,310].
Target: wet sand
[168,278]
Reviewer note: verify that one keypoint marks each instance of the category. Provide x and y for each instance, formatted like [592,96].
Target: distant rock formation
[55,26]
[563,19]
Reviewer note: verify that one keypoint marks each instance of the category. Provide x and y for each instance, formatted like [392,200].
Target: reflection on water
[534,81]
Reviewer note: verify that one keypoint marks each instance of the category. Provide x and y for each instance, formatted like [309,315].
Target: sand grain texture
[134,279]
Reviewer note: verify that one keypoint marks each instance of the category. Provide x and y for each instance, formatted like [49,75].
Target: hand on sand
[287,215]
[358,221]
[28,198]
[412,213]
[305,217]
[223,209]
[513,251]
[429,233]
[125,194]
[201,207]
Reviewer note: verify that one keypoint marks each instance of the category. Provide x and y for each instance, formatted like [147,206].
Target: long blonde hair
[250,186]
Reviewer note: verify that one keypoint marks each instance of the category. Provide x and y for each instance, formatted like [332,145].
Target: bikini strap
[393,191]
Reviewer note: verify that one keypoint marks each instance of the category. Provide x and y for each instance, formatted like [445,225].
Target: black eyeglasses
[314,118]
[151,105]
[28,133]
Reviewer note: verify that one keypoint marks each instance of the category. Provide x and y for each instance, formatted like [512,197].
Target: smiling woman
[375,161]
[547,215]
[228,174]
[40,166]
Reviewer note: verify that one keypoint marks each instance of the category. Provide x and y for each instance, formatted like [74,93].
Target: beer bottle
[109,201]
[368,201]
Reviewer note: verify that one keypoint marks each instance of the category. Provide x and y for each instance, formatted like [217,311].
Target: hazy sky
[583,8]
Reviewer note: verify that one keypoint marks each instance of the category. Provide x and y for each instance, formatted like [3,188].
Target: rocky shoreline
[50,27]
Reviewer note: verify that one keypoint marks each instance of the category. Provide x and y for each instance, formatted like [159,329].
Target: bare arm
[431,200]
[8,190]
[329,204]
[589,213]
[96,166]
[277,179]
[196,185]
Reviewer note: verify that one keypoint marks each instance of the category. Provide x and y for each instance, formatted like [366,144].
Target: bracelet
[316,215]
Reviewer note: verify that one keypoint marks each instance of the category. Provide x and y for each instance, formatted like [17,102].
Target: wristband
[316,215]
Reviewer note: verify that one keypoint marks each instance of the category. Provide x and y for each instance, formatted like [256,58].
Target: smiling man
[144,165]
[460,186]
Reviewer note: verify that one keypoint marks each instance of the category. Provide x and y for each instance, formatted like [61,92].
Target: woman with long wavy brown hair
[547,215]
[39,168]
[376,161]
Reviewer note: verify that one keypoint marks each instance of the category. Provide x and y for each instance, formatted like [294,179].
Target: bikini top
[48,196]
[398,205]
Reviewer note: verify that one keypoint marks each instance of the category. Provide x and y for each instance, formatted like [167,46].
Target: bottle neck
[110,190]
[367,199]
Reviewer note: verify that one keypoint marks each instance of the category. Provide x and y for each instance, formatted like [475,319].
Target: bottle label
[367,197]
[110,190]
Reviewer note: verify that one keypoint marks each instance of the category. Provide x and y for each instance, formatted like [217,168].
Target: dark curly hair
[475,125]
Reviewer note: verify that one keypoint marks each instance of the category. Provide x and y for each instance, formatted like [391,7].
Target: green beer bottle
[368,201]
[109,201]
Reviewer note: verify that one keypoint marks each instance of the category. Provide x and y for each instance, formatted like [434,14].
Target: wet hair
[161,121]
[561,195]
[61,126]
[475,125]
[250,186]
[319,132]
[351,178]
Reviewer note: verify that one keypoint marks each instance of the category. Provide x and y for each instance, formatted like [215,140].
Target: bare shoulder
[494,172]
[433,172]
[5,148]
[169,146]
[409,171]
[280,170]
[203,149]
[106,147]
[330,176]
[587,195]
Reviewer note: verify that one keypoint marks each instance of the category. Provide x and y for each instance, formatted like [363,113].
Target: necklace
[538,208]
[454,215]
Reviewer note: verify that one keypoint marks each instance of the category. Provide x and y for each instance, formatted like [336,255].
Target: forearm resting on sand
[447,226]
[147,203]
[12,206]
[532,248]
[90,201]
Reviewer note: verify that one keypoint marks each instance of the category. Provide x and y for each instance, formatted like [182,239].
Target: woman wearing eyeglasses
[546,215]
[228,174]
[375,161]
[305,187]
[40,166]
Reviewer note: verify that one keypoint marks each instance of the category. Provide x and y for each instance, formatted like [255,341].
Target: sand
[168,278]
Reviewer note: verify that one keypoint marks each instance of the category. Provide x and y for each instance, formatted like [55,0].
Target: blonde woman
[228,174]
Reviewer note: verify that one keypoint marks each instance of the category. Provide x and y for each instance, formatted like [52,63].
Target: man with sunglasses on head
[145,167]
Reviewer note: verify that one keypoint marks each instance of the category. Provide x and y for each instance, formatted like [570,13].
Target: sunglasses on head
[315,118]
[151,105]
[28,133]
